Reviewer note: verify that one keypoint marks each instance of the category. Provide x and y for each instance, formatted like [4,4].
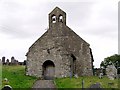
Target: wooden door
[49,72]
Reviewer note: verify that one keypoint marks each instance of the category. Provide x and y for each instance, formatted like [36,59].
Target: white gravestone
[111,72]
[100,75]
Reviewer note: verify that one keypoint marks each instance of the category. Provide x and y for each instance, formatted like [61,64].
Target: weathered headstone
[7,62]
[15,62]
[3,60]
[100,75]
[111,72]
[12,60]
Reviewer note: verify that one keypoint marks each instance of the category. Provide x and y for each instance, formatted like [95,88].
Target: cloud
[23,22]
[102,20]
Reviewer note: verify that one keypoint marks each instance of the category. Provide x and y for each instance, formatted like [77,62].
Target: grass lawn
[77,83]
[16,77]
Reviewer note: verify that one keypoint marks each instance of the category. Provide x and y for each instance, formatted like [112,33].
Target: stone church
[59,52]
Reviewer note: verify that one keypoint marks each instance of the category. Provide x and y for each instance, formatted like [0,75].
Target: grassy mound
[16,77]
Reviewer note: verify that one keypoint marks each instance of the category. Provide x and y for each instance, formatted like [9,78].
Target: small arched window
[60,18]
[53,19]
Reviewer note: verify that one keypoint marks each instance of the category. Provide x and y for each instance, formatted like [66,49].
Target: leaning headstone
[7,87]
[111,72]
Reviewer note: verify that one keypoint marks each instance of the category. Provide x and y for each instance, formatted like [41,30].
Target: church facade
[59,52]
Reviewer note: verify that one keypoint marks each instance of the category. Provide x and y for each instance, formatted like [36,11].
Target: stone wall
[58,49]
[38,54]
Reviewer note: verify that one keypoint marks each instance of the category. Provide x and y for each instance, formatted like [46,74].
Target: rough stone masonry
[59,52]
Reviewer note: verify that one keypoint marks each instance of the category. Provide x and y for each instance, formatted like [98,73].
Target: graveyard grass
[16,77]
[88,81]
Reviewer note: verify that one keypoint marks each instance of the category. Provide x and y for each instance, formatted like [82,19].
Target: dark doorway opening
[48,70]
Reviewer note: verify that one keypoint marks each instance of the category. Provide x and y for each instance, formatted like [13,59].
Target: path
[44,84]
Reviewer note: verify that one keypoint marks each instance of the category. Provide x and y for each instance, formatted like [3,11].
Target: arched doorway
[48,70]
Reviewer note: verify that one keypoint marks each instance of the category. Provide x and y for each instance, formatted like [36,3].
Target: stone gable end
[59,52]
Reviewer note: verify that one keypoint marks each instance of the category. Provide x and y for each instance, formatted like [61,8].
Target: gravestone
[111,72]
[100,75]
[12,60]
[7,87]
[3,60]
[6,80]
[16,63]
[7,62]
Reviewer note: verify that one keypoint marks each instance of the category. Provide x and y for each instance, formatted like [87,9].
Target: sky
[22,22]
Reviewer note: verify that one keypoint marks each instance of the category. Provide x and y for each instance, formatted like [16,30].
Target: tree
[114,59]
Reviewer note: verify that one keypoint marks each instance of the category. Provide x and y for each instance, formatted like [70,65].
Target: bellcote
[56,17]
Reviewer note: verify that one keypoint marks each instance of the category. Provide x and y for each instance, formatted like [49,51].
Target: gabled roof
[56,9]
[57,33]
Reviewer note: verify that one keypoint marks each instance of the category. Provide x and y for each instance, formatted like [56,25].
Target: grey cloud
[28,21]
[21,22]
